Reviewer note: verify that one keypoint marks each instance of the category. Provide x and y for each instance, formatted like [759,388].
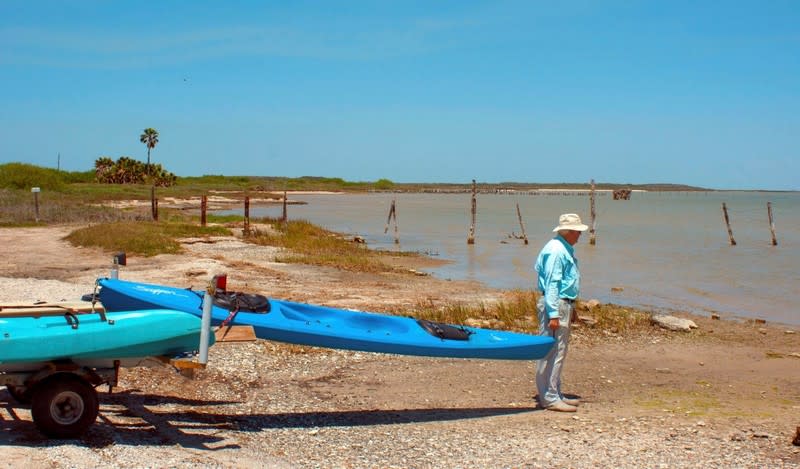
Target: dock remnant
[392,216]
[622,194]
[771,224]
[471,236]
[592,213]
[728,224]
[246,229]
[522,226]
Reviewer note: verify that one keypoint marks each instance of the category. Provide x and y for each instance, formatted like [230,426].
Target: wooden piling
[153,203]
[471,236]
[771,224]
[593,216]
[728,224]
[522,226]
[203,210]
[285,216]
[246,229]
[392,215]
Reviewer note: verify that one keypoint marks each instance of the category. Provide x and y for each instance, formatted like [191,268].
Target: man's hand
[554,324]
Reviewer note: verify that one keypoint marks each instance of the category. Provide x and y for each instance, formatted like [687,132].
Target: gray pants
[548,370]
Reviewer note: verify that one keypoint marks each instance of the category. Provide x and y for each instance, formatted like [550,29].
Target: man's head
[570,227]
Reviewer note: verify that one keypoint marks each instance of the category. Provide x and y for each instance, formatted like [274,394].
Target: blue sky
[692,92]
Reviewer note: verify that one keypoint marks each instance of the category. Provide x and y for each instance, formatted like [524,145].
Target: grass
[307,243]
[518,312]
[618,319]
[18,208]
[141,238]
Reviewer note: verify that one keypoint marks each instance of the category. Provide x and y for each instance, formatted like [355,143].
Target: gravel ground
[263,404]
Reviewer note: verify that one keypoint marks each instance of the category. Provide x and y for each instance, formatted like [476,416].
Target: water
[664,250]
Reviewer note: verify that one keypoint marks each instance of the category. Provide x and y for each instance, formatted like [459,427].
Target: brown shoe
[572,402]
[561,406]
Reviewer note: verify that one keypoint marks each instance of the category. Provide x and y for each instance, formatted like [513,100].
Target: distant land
[24,176]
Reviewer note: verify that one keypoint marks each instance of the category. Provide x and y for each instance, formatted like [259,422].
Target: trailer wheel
[64,406]
[21,394]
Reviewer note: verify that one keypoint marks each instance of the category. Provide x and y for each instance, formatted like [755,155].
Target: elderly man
[559,283]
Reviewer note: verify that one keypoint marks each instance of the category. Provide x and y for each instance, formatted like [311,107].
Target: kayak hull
[321,326]
[125,334]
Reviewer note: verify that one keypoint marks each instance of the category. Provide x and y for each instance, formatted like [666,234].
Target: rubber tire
[64,406]
[20,394]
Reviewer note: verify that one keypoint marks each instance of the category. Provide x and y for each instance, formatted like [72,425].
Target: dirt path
[736,384]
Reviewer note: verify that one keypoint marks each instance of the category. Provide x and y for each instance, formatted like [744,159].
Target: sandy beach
[726,394]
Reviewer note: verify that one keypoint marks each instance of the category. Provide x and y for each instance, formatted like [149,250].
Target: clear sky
[705,93]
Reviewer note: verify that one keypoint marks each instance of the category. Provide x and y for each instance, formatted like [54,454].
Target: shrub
[24,176]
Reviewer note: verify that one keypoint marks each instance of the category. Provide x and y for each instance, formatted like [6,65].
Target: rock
[715,316]
[617,289]
[673,324]
[796,440]
[789,332]
[359,240]
[588,321]
[738,437]
[591,304]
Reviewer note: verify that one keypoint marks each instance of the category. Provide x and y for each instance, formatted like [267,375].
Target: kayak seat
[444,331]
[244,302]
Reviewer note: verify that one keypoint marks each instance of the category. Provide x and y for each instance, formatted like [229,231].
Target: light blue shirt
[558,273]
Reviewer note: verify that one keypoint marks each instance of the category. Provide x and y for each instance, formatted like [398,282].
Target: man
[559,283]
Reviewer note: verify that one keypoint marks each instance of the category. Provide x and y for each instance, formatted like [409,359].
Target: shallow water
[664,250]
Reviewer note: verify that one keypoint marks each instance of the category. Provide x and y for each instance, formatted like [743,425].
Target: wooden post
[392,215]
[36,191]
[203,209]
[771,224]
[522,225]
[593,216]
[285,216]
[246,230]
[728,224]
[153,203]
[471,236]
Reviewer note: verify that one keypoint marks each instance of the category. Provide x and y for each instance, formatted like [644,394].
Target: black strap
[72,320]
[445,331]
[246,302]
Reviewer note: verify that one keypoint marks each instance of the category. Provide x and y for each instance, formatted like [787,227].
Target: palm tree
[149,138]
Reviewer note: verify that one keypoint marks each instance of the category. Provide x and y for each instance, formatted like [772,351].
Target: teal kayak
[125,334]
[321,326]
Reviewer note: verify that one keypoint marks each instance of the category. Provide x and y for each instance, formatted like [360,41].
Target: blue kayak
[321,326]
[126,334]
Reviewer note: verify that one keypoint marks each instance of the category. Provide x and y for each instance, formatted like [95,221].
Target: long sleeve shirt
[558,275]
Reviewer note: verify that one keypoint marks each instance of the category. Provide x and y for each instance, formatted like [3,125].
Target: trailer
[61,394]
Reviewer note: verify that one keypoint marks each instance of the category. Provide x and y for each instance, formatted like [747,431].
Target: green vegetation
[129,171]
[24,176]
[309,244]
[142,238]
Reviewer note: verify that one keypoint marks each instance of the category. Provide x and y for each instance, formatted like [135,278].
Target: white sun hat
[570,221]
